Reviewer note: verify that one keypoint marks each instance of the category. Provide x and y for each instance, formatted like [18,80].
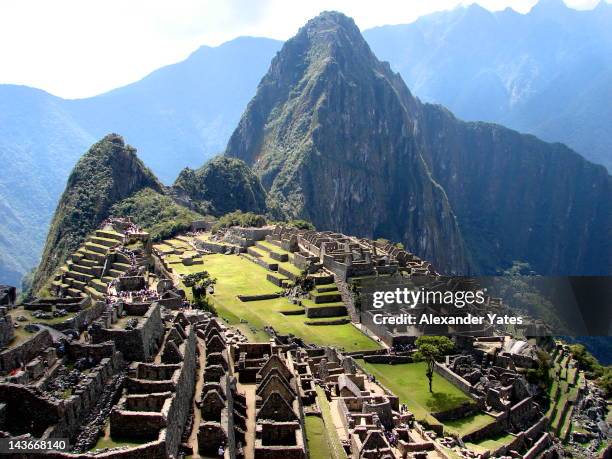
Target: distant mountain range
[548,72]
[529,74]
[179,116]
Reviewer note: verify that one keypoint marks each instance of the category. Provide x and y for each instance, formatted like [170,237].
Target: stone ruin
[8,295]
[347,256]
[279,415]
[223,409]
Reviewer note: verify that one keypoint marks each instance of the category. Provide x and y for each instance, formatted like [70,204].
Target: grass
[238,276]
[264,256]
[468,424]
[290,267]
[409,383]
[107,441]
[21,336]
[273,248]
[28,314]
[491,444]
[336,449]
[316,437]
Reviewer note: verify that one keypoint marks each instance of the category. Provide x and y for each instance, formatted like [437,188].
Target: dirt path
[197,415]
[249,392]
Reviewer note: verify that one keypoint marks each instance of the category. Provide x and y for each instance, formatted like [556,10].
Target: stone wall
[254,234]
[76,350]
[141,425]
[329,311]
[181,404]
[7,329]
[24,352]
[139,344]
[454,378]
[538,447]
[136,309]
[496,427]
[152,450]
[85,316]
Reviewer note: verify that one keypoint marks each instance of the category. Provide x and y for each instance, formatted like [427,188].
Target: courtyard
[409,383]
[238,276]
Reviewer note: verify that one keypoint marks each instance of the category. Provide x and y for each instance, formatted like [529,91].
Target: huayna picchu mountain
[331,133]
[337,138]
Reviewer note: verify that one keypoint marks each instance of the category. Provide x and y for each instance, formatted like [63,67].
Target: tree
[300,224]
[198,282]
[430,349]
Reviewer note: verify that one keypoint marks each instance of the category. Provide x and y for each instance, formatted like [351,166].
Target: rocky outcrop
[519,198]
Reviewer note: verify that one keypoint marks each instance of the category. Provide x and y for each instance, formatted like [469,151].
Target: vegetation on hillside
[156,213]
[592,368]
[222,185]
[239,218]
[301,224]
[109,172]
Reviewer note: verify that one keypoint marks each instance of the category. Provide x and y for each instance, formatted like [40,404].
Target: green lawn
[28,314]
[274,248]
[491,444]
[238,276]
[409,383]
[316,437]
[110,442]
[468,424]
[336,451]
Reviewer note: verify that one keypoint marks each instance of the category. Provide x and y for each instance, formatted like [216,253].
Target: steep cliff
[331,133]
[220,186]
[107,174]
[337,138]
[519,198]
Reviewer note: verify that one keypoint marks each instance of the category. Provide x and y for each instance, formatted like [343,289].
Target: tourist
[221,451]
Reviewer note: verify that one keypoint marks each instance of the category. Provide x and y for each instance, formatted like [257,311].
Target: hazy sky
[77,48]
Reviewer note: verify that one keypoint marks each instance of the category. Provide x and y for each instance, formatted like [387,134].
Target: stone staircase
[84,273]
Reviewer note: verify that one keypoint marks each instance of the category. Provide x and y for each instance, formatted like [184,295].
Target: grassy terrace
[316,437]
[562,390]
[336,451]
[238,276]
[409,383]
[273,247]
[491,444]
[20,311]
[263,255]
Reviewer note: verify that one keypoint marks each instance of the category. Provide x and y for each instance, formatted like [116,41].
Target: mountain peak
[330,21]
[115,139]
[549,6]
[107,173]
[330,120]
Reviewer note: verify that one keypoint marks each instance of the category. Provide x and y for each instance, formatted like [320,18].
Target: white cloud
[76,48]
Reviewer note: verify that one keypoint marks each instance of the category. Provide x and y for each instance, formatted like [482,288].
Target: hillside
[337,138]
[39,144]
[108,173]
[220,186]
[111,181]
